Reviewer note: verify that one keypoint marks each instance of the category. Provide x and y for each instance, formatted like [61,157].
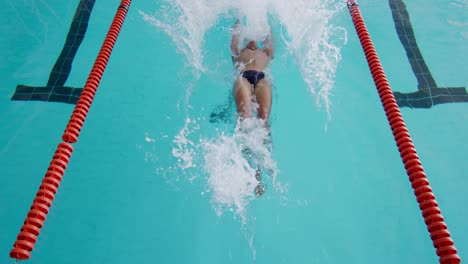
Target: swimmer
[252,86]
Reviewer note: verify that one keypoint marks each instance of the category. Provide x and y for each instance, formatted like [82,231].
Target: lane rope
[431,213]
[36,216]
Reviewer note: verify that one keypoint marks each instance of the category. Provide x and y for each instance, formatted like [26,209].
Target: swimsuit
[253,76]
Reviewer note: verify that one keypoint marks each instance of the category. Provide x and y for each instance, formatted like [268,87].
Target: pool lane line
[433,218]
[55,89]
[429,93]
[36,216]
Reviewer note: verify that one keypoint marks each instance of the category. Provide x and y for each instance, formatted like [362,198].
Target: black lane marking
[55,91]
[428,94]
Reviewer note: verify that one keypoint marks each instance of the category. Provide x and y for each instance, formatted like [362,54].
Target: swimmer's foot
[268,142]
[259,189]
[247,153]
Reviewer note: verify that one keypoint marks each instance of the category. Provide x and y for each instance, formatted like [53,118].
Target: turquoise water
[126,197]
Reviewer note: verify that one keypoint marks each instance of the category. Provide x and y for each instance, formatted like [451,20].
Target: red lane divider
[36,216]
[83,104]
[436,226]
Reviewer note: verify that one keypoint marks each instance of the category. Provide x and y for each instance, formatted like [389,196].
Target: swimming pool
[136,189]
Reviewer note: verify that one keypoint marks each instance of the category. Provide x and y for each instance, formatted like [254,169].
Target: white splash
[231,163]
[186,22]
[148,138]
[312,39]
[254,18]
[304,24]
[184,149]
[304,28]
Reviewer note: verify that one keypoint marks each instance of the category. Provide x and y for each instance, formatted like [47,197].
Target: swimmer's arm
[268,45]
[235,40]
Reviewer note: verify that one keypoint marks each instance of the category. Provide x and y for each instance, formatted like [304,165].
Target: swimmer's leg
[264,98]
[243,97]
